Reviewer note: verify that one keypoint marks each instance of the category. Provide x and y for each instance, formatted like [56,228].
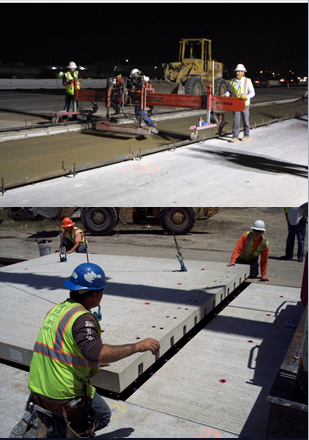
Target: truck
[102,221]
[194,69]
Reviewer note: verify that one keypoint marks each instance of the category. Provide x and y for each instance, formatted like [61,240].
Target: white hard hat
[72,65]
[258,225]
[240,68]
[134,72]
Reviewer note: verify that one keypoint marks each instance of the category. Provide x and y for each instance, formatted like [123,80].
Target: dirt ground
[210,240]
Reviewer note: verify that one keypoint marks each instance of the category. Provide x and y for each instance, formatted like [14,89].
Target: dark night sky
[261,35]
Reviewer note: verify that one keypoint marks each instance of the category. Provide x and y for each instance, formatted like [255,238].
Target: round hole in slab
[250,342]
[161,328]
[222,380]
[138,337]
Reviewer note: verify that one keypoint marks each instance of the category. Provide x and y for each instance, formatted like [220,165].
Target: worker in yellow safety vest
[72,238]
[249,248]
[68,352]
[241,87]
[68,82]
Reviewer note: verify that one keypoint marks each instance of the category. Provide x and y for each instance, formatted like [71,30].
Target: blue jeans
[68,246]
[146,118]
[236,122]
[300,232]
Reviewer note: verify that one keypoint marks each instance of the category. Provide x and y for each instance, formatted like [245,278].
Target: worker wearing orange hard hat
[73,238]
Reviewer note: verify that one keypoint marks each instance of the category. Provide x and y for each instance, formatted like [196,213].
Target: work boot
[285,257]
[245,138]
[234,140]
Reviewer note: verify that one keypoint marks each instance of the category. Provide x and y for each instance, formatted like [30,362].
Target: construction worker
[136,82]
[241,87]
[67,353]
[248,249]
[72,238]
[296,218]
[69,86]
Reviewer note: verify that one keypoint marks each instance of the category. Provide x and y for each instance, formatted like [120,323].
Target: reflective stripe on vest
[75,231]
[56,351]
[70,88]
[249,254]
[58,368]
[242,90]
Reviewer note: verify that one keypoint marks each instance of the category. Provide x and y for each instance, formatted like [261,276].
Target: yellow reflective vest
[242,89]
[69,77]
[58,368]
[247,253]
[72,234]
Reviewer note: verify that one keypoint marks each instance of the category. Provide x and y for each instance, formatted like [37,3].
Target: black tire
[99,221]
[220,87]
[177,220]
[194,86]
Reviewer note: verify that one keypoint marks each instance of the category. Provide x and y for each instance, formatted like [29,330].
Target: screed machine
[118,96]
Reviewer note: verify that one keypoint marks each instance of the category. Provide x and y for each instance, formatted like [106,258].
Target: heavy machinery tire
[194,86]
[177,220]
[99,221]
[220,87]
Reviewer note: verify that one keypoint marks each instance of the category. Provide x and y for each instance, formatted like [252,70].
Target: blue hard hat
[86,276]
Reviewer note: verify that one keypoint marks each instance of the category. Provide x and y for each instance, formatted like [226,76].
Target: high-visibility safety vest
[58,368]
[242,90]
[69,77]
[247,253]
[72,234]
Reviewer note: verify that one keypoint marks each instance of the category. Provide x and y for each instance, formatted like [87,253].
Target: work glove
[223,96]
[243,97]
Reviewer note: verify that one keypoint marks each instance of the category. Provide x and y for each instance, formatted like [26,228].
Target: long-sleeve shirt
[240,245]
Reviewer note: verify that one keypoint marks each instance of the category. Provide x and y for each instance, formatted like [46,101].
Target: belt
[51,406]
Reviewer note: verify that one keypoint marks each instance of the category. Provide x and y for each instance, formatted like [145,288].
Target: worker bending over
[72,238]
[249,247]
[67,353]
[136,82]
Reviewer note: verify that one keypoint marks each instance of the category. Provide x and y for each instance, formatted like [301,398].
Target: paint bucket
[44,247]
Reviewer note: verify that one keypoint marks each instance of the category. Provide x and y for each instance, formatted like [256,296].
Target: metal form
[118,96]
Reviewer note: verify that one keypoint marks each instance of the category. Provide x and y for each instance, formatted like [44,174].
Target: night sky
[271,36]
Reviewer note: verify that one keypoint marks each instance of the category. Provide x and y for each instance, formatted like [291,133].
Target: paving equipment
[101,221]
[194,69]
[119,97]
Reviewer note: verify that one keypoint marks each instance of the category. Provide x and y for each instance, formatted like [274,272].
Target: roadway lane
[268,170]
[31,158]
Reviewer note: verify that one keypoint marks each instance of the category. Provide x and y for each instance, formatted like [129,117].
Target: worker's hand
[243,97]
[264,279]
[57,251]
[70,252]
[104,364]
[148,344]
[231,263]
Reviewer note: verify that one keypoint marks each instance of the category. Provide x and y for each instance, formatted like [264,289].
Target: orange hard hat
[67,222]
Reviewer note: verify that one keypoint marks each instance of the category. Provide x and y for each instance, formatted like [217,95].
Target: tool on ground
[179,255]
[63,254]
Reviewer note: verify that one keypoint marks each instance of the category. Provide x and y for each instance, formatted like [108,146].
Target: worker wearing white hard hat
[241,87]
[252,245]
[68,82]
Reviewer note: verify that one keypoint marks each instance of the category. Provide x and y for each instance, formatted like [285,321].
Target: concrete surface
[195,175]
[144,298]
[128,420]
[223,375]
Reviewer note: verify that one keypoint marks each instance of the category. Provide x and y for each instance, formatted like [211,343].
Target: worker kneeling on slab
[67,353]
[72,238]
[249,247]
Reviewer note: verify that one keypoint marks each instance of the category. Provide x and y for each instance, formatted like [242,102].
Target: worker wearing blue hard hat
[67,353]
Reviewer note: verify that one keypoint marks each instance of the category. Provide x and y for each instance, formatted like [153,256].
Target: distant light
[261,71]
[54,68]
[82,68]
[155,67]
[127,61]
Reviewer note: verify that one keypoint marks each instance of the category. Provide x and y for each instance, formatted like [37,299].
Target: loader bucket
[163,86]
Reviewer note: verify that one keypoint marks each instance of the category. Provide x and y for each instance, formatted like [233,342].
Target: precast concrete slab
[127,419]
[144,298]
[222,377]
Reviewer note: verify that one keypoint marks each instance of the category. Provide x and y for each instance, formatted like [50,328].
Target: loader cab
[195,49]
